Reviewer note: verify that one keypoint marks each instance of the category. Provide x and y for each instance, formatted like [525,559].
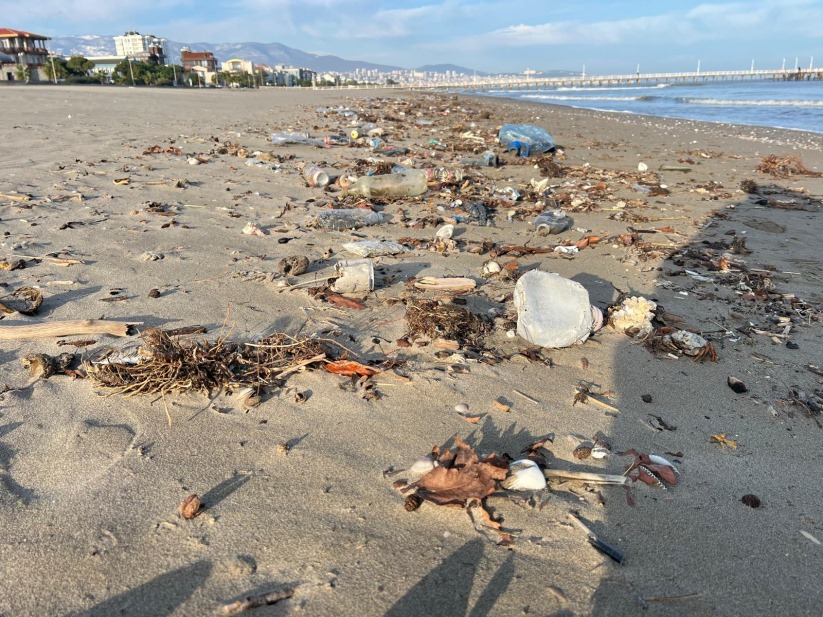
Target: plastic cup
[315,176]
[354,275]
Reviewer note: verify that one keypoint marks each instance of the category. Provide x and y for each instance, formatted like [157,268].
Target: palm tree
[22,73]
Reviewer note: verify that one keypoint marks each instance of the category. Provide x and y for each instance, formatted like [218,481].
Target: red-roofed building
[20,48]
[204,59]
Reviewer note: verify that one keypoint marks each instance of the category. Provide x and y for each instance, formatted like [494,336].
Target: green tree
[55,65]
[22,73]
[78,65]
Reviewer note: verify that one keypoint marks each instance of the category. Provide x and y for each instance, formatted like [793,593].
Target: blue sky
[490,35]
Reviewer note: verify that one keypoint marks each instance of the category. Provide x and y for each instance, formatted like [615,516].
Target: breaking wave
[744,103]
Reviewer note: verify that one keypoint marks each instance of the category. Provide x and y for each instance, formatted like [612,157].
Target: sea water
[794,105]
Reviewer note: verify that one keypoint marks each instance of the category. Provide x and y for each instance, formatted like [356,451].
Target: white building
[141,46]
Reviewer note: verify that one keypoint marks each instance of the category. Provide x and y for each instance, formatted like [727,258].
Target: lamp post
[53,70]
[131,70]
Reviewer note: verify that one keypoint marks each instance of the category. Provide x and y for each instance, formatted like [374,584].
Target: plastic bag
[526,139]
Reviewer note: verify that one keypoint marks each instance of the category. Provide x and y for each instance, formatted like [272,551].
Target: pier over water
[638,79]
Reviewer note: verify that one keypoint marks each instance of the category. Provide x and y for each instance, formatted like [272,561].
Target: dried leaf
[349,367]
[344,302]
[461,476]
[485,524]
[121,181]
[724,441]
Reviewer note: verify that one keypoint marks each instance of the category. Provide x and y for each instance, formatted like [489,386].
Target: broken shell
[524,475]
[491,267]
[600,452]
[249,397]
[190,507]
[445,232]
[461,408]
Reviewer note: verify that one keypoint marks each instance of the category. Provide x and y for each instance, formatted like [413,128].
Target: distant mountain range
[259,53]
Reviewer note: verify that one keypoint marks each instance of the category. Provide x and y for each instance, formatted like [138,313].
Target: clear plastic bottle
[348,218]
[553,311]
[552,222]
[315,176]
[407,183]
[283,138]
[443,174]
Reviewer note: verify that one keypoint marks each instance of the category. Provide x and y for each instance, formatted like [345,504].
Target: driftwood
[65,328]
[583,476]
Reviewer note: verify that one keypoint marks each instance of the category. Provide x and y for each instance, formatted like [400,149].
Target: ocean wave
[602,88]
[743,103]
[559,97]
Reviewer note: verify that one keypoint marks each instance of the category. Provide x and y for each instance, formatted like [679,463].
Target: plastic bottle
[489,160]
[443,174]
[552,222]
[407,183]
[553,311]
[315,176]
[348,218]
[525,139]
[363,130]
[283,138]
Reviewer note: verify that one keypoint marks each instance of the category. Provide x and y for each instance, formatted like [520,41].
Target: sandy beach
[130,205]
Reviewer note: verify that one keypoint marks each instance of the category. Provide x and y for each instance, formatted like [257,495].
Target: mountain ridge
[259,53]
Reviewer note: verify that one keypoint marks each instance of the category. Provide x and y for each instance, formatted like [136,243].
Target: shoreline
[293,488]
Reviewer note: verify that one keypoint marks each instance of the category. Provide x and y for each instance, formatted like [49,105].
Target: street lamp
[131,70]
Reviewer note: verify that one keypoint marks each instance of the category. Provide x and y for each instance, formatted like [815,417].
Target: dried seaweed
[435,320]
[164,364]
[784,167]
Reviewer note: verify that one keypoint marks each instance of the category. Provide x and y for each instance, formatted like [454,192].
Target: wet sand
[92,481]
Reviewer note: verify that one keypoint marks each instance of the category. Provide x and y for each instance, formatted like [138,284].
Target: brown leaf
[349,367]
[344,302]
[461,476]
[724,441]
[485,524]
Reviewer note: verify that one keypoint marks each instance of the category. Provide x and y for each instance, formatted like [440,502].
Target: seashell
[190,507]
[491,267]
[641,167]
[253,230]
[445,232]
[248,397]
[524,475]
[659,460]
[193,161]
[583,451]
[600,452]
[461,408]
[421,466]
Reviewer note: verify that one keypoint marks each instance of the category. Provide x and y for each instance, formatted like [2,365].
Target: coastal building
[22,49]
[105,65]
[236,65]
[141,47]
[283,75]
[202,59]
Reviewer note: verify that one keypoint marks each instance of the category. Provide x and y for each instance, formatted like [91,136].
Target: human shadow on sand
[445,590]
[158,597]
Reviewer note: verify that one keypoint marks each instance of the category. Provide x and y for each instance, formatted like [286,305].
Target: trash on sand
[634,317]
[354,275]
[552,222]
[457,283]
[374,248]
[346,218]
[607,549]
[407,183]
[553,311]
[315,176]
[525,139]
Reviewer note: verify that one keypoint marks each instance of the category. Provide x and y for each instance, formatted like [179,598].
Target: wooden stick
[266,599]
[585,476]
[66,328]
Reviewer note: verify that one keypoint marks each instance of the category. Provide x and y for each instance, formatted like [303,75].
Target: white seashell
[253,230]
[491,267]
[421,466]
[445,232]
[193,161]
[659,460]
[524,475]
[461,408]
[600,452]
[642,167]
